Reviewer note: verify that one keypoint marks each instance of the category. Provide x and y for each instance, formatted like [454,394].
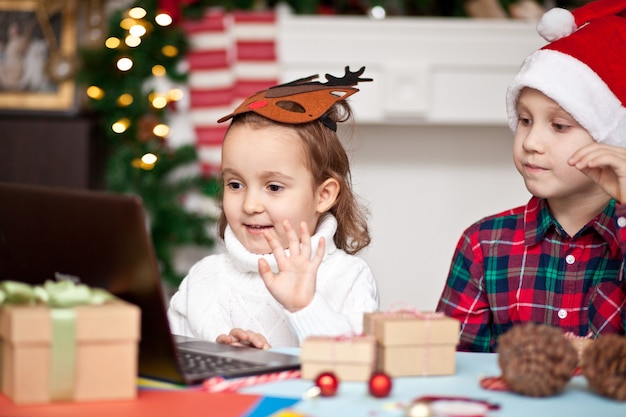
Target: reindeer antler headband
[302,100]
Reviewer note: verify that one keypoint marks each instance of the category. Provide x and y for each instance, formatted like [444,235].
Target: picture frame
[38,47]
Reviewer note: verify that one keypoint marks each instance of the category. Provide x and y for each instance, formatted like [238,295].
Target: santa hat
[583,68]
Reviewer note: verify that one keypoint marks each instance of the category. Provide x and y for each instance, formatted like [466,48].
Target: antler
[349,78]
[306,84]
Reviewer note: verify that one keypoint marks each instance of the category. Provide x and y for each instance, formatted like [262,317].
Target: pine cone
[536,360]
[604,366]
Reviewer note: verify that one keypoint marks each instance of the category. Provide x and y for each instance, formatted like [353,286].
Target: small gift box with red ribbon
[413,343]
[66,342]
[350,358]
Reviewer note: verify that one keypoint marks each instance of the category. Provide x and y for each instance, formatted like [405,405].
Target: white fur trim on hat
[556,24]
[576,88]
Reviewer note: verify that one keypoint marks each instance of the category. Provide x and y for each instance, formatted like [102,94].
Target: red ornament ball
[328,383]
[380,385]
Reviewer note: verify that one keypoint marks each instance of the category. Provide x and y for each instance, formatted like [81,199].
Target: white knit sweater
[225,290]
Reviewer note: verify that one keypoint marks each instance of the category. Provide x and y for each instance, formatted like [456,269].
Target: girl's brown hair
[326,158]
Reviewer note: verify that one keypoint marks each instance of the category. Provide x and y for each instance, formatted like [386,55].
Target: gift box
[414,344]
[350,358]
[83,353]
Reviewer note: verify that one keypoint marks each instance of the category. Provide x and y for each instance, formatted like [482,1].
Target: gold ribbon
[61,296]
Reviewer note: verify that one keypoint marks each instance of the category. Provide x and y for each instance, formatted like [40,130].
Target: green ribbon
[62,354]
[55,294]
[61,296]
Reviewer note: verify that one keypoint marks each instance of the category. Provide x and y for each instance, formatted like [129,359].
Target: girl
[285,175]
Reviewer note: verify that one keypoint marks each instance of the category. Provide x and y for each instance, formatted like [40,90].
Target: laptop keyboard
[194,363]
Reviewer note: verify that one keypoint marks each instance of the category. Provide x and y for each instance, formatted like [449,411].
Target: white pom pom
[556,23]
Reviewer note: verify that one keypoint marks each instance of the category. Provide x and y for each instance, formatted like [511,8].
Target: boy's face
[265,182]
[546,137]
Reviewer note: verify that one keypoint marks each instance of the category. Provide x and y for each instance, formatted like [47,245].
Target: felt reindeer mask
[302,100]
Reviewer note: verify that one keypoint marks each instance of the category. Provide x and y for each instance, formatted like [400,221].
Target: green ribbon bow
[61,296]
[55,294]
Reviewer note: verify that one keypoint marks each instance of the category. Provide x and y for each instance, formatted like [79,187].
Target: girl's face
[546,137]
[265,182]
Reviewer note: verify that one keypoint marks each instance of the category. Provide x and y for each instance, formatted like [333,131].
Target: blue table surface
[353,399]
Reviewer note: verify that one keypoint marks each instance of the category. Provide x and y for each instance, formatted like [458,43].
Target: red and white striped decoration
[232,56]
[219,384]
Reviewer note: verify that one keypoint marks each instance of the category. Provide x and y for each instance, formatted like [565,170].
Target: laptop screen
[99,237]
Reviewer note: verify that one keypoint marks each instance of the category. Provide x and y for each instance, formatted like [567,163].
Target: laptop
[103,239]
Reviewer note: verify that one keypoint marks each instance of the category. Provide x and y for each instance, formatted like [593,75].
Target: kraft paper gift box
[98,363]
[350,358]
[414,344]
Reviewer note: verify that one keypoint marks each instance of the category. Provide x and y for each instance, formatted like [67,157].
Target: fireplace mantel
[429,71]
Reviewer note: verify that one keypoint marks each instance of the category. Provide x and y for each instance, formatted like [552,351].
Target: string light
[158,70]
[175,94]
[112,42]
[149,159]
[161,130]
[95,92]
[169,51]
[137,13]
[137,30]
[127,23]
[157,100]
[378,12]
[124,64]
[125,100]
[146,162]
[121,125]
[132,41]
[163,19]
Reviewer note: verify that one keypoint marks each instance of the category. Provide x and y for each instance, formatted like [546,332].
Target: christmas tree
[130,81]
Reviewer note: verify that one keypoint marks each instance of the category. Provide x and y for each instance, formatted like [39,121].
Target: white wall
[423,186]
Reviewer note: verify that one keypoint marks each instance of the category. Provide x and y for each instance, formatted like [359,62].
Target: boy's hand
[294,286]
[241,337]
[604,164]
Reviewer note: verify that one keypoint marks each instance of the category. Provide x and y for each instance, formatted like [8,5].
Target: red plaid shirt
[520,266]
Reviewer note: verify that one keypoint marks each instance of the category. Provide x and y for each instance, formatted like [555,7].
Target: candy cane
[220,384]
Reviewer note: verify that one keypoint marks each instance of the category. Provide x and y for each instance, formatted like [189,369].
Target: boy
[559,259]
